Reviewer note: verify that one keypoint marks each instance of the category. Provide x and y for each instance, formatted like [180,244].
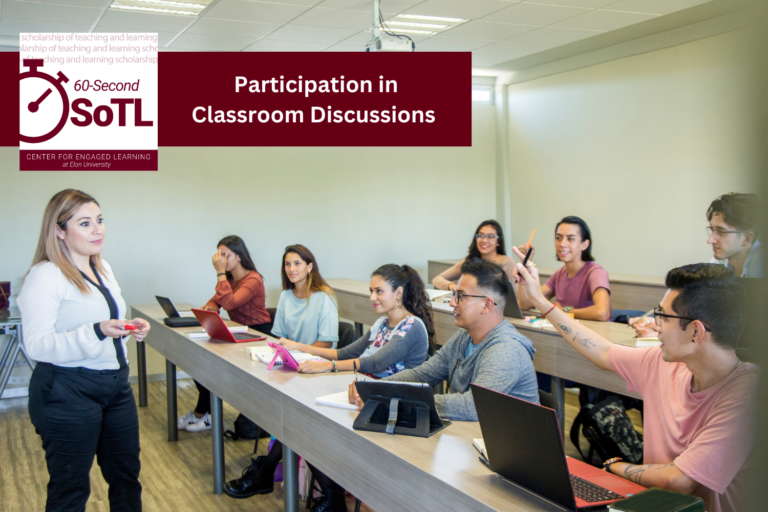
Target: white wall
[638,147]
[355,208]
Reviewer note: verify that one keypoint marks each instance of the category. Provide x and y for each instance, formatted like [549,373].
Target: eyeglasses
[481,236]
[719,233]
[457,295]
[658,315]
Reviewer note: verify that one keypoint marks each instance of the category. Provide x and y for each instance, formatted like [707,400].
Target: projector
[390,45]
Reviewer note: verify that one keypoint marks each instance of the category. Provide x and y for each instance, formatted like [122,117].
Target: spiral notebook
[266,354]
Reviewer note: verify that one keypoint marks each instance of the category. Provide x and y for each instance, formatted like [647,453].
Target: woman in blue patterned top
[398,340]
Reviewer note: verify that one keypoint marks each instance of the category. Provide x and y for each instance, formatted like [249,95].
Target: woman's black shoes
[334,500]
[254,481]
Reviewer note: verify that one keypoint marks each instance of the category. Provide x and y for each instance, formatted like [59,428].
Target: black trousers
[80,413]
[204,397]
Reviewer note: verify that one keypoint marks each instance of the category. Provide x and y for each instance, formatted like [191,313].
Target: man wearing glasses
[733,235]
[487,350]
[697,393]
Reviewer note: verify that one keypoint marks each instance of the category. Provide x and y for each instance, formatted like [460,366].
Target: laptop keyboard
[590,492]
[243,336]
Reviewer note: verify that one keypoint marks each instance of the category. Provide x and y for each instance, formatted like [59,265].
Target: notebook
[339,400]
[266,354]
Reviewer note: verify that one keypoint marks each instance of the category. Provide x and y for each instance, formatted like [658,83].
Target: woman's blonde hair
[60,209]
[315,281]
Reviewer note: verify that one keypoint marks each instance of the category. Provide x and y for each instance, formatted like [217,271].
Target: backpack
[609,431]
[244,429]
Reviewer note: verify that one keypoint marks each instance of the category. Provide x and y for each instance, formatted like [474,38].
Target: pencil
[530,240]
[645,315]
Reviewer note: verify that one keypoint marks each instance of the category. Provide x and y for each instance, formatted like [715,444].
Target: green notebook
[658,500]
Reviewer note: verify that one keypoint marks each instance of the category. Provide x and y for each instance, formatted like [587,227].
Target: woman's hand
[206,307]
[643,326]
[219,262]
[354,398]
[315,367]
[114,328]
[142,329]
[291,345]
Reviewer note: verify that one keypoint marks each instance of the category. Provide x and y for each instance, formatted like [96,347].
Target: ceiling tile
[247,29]
[211,43]
[311,34]
[486,61]
[361,38]
[451,44]
[391,6]
[553,35]
[489,30]
[262,12]
[511,49]
[146,22]
[335,18]
[654,6]
[604,20]
[99,4]
[592,4]
[470,10]
[266,45]
[344,48]
[163,38]
[535,14]
[15,27]
[49,13]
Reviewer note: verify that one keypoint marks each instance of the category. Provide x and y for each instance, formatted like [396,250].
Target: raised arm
[586,341]
[445,280]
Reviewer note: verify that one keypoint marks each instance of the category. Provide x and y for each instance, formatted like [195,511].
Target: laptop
[524,445]
[217,329]
[512,308]
[174,318]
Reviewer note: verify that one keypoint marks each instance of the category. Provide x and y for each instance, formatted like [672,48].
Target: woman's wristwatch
[567,309]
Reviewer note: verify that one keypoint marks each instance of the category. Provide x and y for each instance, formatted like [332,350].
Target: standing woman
[307,313]
[488,243]
[240,291]
[80,401]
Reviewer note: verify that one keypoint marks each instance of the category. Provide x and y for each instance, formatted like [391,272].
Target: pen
[527,255]
[354,367]
[645,315]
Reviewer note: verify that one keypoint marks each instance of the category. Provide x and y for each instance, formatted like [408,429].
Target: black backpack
[609,431]
[244,429]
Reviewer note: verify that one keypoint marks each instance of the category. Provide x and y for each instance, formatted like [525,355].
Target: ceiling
[498,30]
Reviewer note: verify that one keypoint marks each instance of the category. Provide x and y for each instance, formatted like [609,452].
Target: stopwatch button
[62,78]
[33,64]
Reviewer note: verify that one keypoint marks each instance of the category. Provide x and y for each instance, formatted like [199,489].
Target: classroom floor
[175,476]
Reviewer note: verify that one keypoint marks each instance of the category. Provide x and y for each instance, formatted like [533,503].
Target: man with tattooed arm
[697,393]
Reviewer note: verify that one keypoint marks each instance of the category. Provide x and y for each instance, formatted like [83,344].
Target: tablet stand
[394,416]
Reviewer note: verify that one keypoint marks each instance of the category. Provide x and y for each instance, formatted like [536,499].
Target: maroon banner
[113,160]
[337,99]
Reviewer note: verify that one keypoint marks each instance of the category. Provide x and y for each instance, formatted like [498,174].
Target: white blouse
[58,319]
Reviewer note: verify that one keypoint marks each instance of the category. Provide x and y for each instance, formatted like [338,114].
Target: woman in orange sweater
[240,291]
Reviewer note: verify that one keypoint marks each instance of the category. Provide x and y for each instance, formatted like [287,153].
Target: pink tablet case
[283,354]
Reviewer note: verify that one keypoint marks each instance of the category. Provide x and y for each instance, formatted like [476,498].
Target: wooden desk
[628,291]
[386,472]
[554,356]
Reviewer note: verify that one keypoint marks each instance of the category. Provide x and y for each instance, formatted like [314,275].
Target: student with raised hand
[240,291]
[486,350]
[581,286]
[307,314]
[488,244]
[697,393]
[80,400]
[397,341]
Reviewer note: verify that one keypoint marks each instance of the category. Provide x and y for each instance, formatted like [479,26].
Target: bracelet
[548,312]
[221,274]
[335,369]
[607,464]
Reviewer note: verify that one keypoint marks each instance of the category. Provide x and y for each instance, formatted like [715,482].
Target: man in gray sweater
[487,350]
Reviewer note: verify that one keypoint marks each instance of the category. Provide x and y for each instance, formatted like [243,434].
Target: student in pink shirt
[697,393]
[581,286]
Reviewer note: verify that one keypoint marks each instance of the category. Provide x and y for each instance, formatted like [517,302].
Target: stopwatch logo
[41,120]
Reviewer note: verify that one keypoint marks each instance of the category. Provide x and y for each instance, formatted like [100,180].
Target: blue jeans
[80,413]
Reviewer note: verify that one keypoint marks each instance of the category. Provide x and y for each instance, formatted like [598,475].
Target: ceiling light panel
[180,8]
[420,24]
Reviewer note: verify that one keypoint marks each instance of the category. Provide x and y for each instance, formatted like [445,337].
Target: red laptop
[524,445]
[217,329]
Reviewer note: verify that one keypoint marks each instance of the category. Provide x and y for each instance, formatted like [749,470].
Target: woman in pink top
[240,291]
[581,286]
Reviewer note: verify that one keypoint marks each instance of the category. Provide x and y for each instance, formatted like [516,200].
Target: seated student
[240,291]
[488,244]
[487,350]
[306,313]
[697,394]
[733,233]
[733,236]
[581,286]
[398,341]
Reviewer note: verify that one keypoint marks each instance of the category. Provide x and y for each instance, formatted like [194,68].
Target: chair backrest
[547,400]
[346,335]
[272,312]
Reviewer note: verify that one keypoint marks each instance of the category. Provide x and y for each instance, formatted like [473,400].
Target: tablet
[284,355]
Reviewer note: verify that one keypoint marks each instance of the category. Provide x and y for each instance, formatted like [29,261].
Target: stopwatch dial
[41,107]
